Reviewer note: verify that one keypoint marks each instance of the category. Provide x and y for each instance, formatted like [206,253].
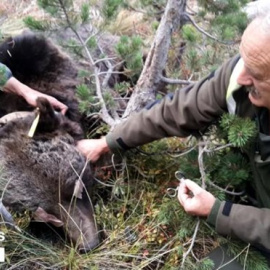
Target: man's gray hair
[258,13]
[257,9]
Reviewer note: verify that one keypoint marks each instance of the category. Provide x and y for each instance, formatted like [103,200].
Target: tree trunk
[145,90]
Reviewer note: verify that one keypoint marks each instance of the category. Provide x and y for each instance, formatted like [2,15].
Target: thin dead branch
[207,34]
[175,81]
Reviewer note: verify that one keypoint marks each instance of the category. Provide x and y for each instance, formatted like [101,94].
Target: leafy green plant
[130,50]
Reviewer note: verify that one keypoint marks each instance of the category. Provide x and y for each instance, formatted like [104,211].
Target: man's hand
[93,149]
[194,199]
[31,95]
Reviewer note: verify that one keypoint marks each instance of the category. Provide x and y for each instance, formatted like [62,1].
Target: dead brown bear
[45,174]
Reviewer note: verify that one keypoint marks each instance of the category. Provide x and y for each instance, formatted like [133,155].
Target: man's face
[255,51]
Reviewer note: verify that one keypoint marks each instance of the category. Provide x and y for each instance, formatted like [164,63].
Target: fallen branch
[175,81]
[191,245]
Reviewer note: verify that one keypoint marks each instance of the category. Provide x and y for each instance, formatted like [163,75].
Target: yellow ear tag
[34,125]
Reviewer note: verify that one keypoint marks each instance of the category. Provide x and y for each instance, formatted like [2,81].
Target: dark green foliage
[152,7]
[189,165]
[235,21]
[189,33]
[130,50]
[228,168]
[174,217]
[224,22]
[251,258]
[240,131]
[63,12]
[88,101]
[228,20]
[193,60]
[230,25]
[220,7]
[110,8]
[146,2]
[109,101]
[34,24]
[205,264]
[53,7]
[83,92]
[122,87]
[83,73]
[127,45]
[85,12]
[74,47]
[92,43]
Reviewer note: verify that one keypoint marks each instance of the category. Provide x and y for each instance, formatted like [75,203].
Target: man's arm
[186,112]
[10,84]
[247,223]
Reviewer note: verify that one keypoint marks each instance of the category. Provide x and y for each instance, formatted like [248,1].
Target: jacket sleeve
[5,75]
[248,223]
[183,113]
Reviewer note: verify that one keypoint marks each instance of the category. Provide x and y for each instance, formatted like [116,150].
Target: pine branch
[225,190]
[105,72]
[218,148]
[106,116]
[183,153]
[104,60]
[106,81]
[109,71]
[104,111]
[207,34]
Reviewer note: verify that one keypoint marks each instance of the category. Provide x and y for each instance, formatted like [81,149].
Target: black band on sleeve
[227,209]
[122,144]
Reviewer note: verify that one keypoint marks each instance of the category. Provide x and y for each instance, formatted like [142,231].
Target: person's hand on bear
[31,95]
[93,149]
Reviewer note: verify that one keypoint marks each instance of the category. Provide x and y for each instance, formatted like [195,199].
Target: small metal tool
[172,192]
[180,176]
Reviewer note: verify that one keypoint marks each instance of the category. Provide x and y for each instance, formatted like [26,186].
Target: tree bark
[145,90]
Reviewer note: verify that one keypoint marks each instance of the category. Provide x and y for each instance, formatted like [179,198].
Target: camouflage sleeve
[5,74]
[248,223]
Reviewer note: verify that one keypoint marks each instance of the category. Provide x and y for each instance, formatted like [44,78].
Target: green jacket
[189,111]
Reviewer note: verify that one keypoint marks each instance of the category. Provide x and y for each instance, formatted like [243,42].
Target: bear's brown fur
[45,174]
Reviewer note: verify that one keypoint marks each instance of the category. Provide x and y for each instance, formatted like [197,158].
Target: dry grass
[14,9]
[130,23]
[12,13]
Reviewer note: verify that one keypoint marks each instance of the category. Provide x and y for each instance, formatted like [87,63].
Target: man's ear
[41,215]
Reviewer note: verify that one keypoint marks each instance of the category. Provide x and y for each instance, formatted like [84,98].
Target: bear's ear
[49,120]
[41,215]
